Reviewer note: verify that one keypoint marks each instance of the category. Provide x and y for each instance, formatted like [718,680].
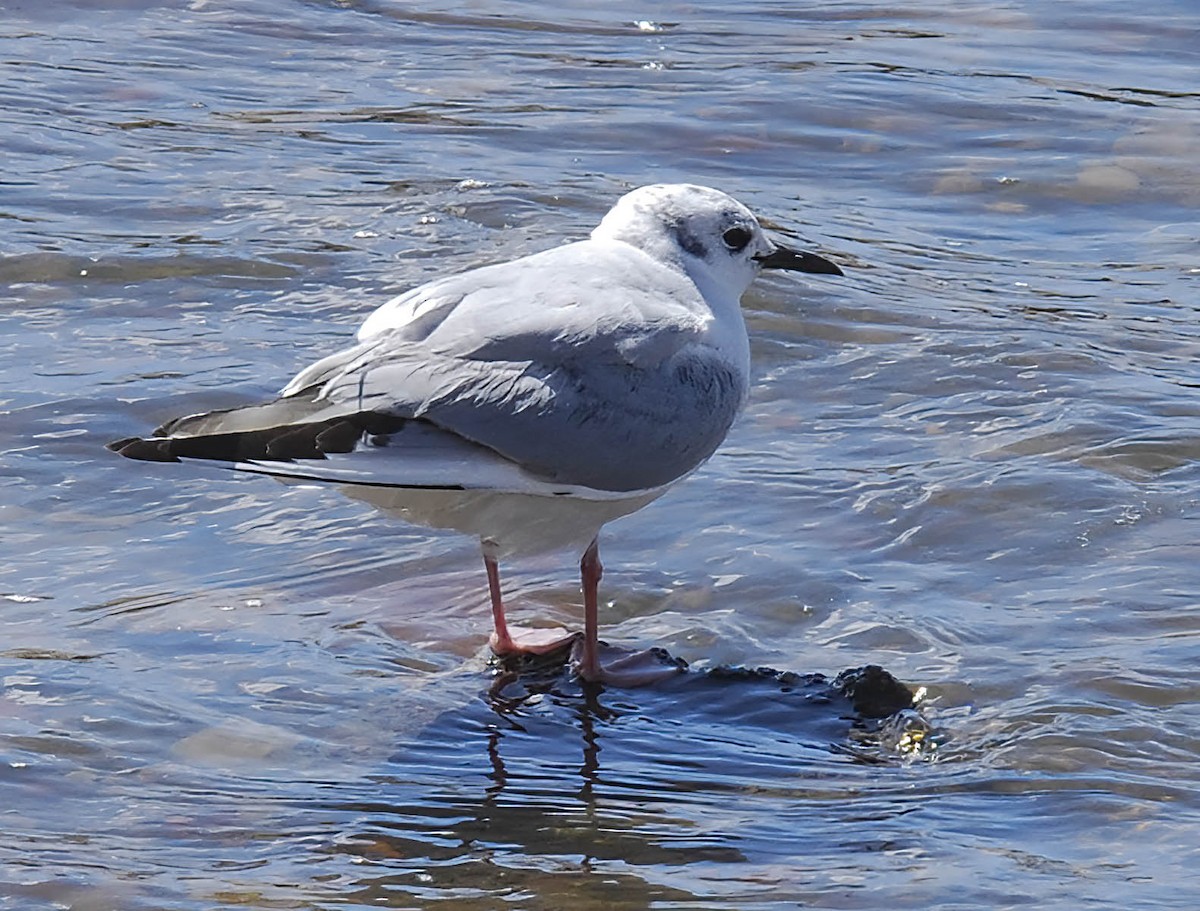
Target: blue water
[974,461]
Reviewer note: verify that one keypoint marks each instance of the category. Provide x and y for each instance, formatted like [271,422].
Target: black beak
[794,260]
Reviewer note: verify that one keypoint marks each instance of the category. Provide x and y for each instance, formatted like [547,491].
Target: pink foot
[524,640]
[517,641]
[596,662]
[617,667]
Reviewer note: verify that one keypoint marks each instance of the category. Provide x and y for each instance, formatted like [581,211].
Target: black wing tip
[280,444]
[144,450]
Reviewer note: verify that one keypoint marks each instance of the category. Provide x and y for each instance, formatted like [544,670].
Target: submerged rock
[864,711]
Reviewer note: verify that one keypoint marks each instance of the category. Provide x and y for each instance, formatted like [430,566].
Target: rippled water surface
[973,461]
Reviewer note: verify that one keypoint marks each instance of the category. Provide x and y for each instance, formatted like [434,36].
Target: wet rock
[873,692]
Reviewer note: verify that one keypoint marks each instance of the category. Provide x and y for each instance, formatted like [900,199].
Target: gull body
[527,402]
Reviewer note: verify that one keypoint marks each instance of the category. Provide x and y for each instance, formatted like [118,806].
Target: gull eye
[736,238]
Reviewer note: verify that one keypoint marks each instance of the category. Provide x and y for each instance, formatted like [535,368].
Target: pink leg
[618,668]
[518,640]
[590,572]
[502,641]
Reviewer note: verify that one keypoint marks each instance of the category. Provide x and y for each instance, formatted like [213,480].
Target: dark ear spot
[688,241]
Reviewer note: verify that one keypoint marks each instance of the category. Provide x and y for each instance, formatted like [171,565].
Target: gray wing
[577,377]
[570,375]
[599,422]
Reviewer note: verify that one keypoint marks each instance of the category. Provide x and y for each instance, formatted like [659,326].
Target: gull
[529,402]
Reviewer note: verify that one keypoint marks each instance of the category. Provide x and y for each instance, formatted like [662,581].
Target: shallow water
[973,461]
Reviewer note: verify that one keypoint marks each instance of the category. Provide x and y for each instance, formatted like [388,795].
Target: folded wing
[587,388]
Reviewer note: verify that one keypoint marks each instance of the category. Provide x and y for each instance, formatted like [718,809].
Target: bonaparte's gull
[527,402]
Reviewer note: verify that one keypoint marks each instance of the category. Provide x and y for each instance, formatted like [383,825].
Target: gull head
[708,234]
